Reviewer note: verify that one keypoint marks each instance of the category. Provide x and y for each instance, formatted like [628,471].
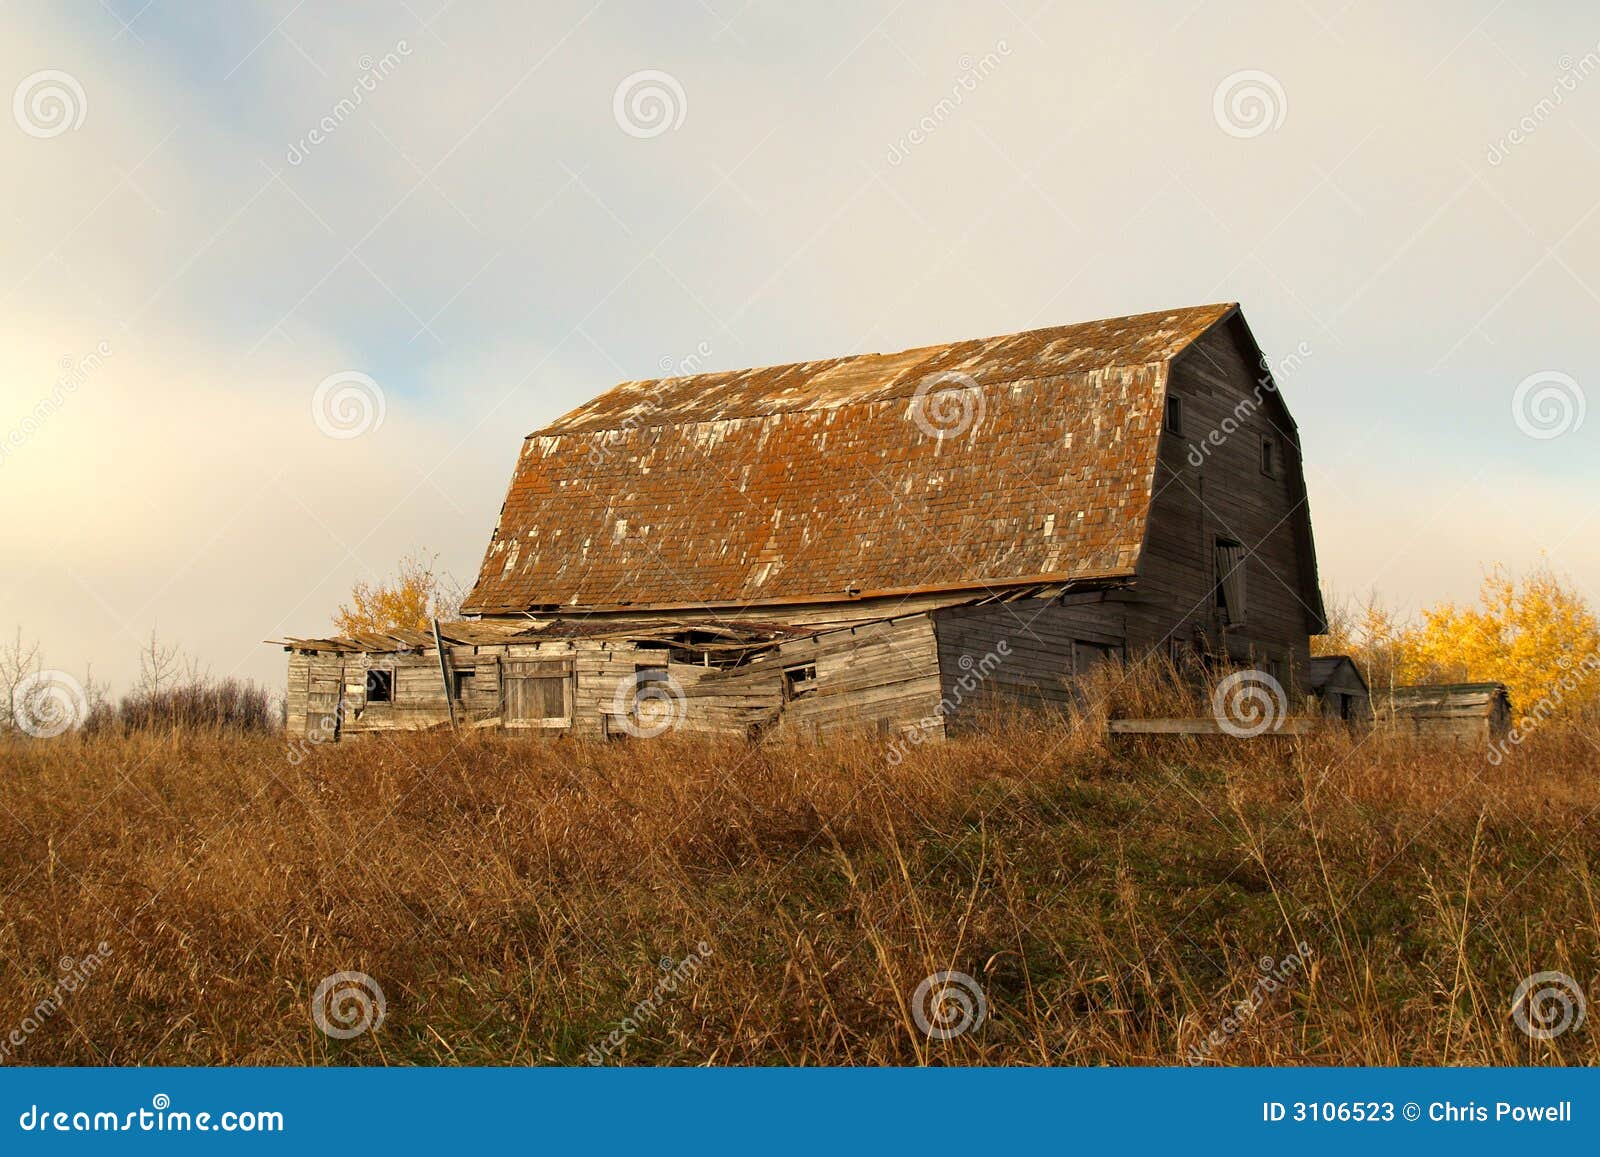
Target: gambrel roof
[970,466]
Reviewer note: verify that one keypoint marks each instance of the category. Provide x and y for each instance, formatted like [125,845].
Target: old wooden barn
[887,541]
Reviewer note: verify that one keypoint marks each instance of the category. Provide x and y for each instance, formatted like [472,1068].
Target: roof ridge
[891,393]
[827,383]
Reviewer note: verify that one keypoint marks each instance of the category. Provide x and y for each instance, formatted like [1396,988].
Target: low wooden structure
[611,680]
[1333,686]
[1466,713]
[887,541]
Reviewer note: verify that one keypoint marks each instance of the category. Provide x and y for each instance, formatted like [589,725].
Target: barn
[888,542]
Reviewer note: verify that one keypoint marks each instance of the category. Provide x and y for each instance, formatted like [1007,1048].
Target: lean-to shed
[1334,686]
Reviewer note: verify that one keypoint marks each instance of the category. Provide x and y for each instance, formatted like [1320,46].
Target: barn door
[324,700]
[1088,657]
[536,693]
[1230,580]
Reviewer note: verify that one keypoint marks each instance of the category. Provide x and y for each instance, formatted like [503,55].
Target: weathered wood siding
[294,698]
[1209,488]
[313,703]
[881,676]
[1344,696]
[1025,652]
[1469,714]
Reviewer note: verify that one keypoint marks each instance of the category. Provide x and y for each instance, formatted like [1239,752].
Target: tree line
[1535,633]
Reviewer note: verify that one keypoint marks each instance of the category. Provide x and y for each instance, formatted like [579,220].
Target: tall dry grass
[515,899]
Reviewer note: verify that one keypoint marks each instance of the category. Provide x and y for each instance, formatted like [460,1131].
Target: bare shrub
[198,704]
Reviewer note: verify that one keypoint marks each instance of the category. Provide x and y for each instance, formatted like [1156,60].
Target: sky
[284,285]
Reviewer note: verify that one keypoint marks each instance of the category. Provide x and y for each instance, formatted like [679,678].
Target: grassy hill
[1318,901]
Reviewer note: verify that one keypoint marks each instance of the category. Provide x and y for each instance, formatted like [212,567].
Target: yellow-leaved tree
[418,593]
[1538,635]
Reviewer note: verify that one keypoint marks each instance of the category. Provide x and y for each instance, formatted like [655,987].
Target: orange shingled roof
[973,465]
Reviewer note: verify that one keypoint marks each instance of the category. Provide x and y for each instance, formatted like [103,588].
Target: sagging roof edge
[1414,690]
[1061,589]
[981,589]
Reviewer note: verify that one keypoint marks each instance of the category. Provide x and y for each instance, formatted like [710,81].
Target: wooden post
[444,674]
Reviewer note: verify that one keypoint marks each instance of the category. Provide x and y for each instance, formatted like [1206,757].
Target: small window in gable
[1174,415]
[1269,457]
[380,686]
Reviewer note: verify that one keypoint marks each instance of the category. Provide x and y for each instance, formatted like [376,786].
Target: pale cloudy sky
[482,236]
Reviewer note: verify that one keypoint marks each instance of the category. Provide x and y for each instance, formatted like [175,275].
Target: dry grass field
[516,901]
